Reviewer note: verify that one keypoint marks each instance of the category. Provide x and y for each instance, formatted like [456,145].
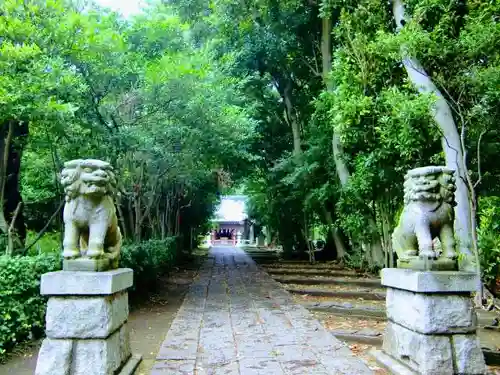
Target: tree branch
[10,239]
[479,178]
[44,229]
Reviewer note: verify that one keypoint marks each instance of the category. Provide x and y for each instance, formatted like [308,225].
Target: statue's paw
[427,254]
[93,253]
[70,254]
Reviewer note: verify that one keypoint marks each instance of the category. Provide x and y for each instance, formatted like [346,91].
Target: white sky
[231,210]
[125,7]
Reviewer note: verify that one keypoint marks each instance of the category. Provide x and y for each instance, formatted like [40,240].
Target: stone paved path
[236,320]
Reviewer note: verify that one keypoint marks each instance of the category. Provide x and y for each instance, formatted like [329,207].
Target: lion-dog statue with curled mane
[427,214]
[91,228]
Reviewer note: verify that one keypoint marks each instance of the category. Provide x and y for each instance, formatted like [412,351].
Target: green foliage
[489,238]
[50,242]
[22,308]
[149,260]
[135,92]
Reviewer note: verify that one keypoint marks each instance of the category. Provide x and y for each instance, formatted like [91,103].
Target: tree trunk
[138,218]
[6,140]
[178,221]
[284,86]
[163,225]
[121,218]
[452,147]
[374,250]
[337,239]
[13,135]
[168,216]
[292,118]
[137,206]
[11,235]
[385,220]
[130,215]
[310,249]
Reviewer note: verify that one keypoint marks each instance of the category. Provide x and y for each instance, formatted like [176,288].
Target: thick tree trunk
[452,147]
[13,135]
[374,250]
[337,239]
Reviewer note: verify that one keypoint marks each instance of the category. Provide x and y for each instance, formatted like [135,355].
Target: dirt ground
[149,322]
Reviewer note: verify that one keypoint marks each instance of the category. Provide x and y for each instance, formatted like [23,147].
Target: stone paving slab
[236,320]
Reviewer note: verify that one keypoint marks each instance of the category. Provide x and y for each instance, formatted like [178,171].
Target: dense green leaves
[190,92]
[22,308]
[135,92]
[384,124]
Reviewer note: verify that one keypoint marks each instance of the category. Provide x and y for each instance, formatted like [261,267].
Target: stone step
[338,293]
[375,283]
[361,336]
[347,309]
[300,264]
[302,272]
[485,318]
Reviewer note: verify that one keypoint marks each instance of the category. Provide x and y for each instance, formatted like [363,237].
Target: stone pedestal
[431,323]
[86,324]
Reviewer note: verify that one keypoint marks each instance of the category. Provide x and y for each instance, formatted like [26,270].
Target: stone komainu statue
[90,222]
[428,213]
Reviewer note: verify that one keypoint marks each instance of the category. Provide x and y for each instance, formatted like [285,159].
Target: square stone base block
[82,283]
[429,281]
[87,264]
[85,317]
[432,354]
[432,313]
[417,263]
[85,357]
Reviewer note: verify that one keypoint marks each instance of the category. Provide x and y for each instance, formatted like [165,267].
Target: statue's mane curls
[89,171]
[432,184]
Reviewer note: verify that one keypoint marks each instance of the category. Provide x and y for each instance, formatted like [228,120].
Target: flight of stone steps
[351,304]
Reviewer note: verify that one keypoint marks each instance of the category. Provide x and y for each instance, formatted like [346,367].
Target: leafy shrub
[22,308]
[489,238]
[49,243]
[149,259]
